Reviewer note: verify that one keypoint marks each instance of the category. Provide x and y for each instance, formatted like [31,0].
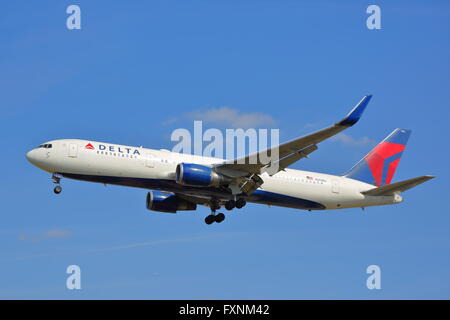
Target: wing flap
[294,157]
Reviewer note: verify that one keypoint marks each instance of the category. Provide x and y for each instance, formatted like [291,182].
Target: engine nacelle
[167,202]
[195,175]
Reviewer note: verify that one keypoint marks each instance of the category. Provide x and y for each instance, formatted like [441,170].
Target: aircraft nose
[31,156]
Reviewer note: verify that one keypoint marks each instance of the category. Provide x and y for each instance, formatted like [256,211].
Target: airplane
[181,182]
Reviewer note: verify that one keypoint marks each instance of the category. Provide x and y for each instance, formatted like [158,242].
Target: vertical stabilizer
[379,165]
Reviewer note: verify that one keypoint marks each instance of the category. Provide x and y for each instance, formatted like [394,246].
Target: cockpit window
[46,146]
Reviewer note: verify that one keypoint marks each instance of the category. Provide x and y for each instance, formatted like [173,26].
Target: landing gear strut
[56,179]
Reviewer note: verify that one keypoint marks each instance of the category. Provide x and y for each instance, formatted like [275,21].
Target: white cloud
[351,141]
[228,117]
[310,125]
[50,234]
[169,121]
[166,241]
[151,243]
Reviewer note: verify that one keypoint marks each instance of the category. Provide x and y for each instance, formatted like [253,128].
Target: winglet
[356,112]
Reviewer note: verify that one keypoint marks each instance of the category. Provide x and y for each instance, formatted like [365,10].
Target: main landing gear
[229,205]
[56,179]
[213,217]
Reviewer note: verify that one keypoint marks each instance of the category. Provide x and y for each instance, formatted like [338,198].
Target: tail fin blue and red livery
[379,165]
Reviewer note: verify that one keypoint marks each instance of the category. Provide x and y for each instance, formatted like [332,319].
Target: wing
[197,199]
[291,151]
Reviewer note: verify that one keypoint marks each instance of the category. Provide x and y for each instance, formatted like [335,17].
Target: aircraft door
[73,150]
[335,186]
[150,160]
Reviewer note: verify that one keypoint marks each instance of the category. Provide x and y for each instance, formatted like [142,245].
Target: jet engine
[167,202]
[195,175]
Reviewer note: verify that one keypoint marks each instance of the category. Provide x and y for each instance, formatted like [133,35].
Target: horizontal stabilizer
[390,189]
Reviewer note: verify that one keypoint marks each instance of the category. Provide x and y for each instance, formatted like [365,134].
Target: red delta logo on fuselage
[89,146]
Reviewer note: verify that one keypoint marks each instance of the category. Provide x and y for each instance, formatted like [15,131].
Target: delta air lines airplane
[179,182]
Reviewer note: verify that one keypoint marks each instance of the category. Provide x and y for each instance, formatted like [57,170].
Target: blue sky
[135,71]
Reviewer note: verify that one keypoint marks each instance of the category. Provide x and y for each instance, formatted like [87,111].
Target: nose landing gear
[56,179]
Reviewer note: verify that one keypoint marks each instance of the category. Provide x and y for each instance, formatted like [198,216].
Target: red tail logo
[383,161]
[89,146]
[378,167]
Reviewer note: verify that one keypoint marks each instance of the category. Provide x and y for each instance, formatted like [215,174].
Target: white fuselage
[155,169]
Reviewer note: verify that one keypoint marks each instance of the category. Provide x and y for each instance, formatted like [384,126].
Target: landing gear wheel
[230,205]
[219,217]
[240,203]
[210,219]
[57,189]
